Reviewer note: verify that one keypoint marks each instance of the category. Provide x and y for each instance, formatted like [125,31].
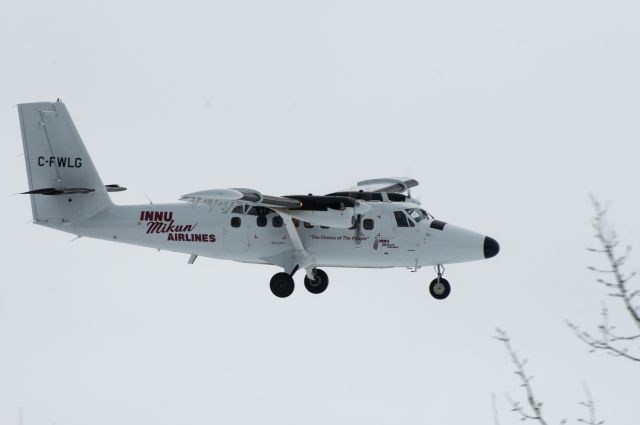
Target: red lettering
[181,237]
[212,238]
[169,227]
[148,216]
[154,227]
[184,228]
[170,237]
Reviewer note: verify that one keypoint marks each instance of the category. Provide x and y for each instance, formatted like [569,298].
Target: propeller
[357,235]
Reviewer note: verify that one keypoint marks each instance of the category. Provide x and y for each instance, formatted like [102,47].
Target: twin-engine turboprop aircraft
[373,225]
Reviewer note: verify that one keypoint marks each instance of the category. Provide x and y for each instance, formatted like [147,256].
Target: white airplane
[374,225]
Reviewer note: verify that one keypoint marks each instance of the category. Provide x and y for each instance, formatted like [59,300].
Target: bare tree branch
[533,408]
[591,408]
[605,339]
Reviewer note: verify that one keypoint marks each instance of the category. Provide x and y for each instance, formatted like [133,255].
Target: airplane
[377,224]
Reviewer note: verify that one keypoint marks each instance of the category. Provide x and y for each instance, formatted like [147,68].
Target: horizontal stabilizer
[61,191]
[114,188]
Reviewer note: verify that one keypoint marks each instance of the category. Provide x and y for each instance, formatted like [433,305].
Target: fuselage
[386,236]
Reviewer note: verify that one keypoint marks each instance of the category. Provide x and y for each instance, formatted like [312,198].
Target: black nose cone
[491,247]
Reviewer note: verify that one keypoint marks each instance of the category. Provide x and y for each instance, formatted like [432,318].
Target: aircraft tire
[439,290]
[319,284]
[282,285]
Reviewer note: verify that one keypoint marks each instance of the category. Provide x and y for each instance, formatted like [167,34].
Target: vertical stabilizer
[64,185]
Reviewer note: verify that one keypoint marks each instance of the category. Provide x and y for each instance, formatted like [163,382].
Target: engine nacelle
[330,211]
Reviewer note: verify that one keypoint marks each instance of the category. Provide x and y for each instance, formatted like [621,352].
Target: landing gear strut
[439,287]
[282,285]
[318,284]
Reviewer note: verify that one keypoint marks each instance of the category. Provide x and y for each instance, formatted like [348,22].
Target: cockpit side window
[416,214]
[401,219]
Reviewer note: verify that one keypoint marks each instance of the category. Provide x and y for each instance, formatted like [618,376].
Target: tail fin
[63,183]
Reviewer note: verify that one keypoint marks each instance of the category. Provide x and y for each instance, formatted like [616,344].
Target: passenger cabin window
[236,221]
[261,220]
[308,225]
[367,224]
[277,221]
[296,222]
[238,210]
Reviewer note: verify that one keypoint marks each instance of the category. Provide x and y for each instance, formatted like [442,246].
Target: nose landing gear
[439,288]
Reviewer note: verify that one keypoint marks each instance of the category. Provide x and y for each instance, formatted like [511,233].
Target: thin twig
[534,411]
[494,410]
[591,408]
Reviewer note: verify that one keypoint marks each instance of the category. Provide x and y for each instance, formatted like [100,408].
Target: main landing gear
[439,288]
[318,284]
[282,284]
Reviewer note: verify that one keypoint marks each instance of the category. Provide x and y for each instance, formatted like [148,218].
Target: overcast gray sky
[507,112]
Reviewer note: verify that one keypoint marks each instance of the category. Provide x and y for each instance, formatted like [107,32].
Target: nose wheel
[439,288]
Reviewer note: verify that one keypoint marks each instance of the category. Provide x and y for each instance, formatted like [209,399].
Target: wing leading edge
[240,196]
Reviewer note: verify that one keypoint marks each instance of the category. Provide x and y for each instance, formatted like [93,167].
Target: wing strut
[299,257]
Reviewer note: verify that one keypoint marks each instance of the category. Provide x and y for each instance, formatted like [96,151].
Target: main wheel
[439,288]
[282,285]
[318,284]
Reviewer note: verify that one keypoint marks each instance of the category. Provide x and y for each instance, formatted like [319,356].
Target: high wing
[233,197]
[386,184]
[332,211]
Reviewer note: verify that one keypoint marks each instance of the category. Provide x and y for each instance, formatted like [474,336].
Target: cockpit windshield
[417,214]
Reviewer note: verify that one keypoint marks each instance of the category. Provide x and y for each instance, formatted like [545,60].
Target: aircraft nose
[490,247]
